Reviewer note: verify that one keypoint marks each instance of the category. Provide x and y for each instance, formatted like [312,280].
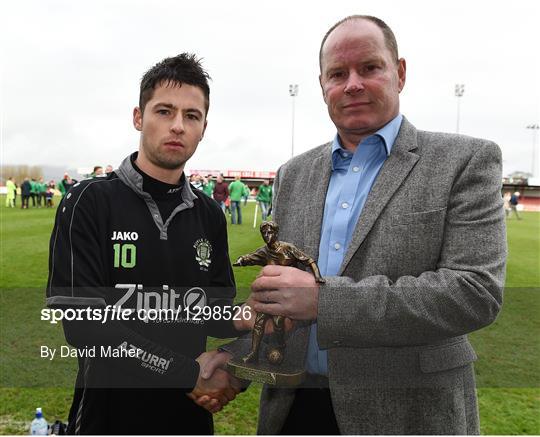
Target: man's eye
[336,74]
[163,111]
[192,116]
[371,67]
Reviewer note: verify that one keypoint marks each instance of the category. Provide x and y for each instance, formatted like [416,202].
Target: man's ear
[322,88]
[137,118]
[204,129]
[402,73]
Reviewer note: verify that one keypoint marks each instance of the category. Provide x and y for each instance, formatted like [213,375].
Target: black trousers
[311,413]
[25,198]
[137,412]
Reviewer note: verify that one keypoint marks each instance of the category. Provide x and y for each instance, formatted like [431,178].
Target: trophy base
[266,373]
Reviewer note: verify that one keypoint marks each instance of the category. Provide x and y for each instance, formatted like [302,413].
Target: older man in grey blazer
[408,230]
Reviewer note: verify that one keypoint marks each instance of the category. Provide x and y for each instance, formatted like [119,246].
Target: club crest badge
[203,249]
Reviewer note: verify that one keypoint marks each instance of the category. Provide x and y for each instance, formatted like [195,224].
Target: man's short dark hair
[389,37]
[183,68]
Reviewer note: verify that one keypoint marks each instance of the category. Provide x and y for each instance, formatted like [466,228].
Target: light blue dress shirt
[353,175]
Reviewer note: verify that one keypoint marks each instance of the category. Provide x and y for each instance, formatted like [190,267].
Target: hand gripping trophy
[274,253]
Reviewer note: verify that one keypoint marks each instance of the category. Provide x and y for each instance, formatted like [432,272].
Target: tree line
[19,172]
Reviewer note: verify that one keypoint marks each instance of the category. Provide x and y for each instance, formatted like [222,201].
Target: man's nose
[177,126]
[354,84]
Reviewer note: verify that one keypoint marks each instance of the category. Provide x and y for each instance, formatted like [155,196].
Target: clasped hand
[215,387]
[278,290]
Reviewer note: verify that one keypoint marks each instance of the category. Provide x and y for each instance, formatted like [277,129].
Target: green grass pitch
[508,368]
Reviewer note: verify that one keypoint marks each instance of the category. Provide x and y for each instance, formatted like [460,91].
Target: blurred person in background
[236,192]
[506,200]
[66,184]
[26,192]
[17,191]
[41,188]
[264,197]
[197,182]
[514,202]
[34,191]
[49,194]
[11,191]
[221,192]
[98,171]
[245,194]
[208,185]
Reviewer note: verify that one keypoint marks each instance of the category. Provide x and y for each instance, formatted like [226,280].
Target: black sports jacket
[110,246]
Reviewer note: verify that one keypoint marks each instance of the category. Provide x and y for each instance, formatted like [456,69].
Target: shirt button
[337,246]
[345,155]
[356,169]
[344,205]
[155,216]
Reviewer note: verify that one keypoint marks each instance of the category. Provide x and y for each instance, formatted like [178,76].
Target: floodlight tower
[459,90]
[534,128]
[293,92]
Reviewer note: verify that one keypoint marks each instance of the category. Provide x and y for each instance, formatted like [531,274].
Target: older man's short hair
[389,37]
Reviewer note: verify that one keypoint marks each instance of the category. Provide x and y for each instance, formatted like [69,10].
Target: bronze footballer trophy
[269,370]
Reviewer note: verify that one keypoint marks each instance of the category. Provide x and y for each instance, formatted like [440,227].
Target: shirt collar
[386,134]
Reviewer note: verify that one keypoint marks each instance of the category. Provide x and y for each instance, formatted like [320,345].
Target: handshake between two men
[277,291]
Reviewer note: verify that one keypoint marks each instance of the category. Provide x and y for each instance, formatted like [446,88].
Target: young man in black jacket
[141,258]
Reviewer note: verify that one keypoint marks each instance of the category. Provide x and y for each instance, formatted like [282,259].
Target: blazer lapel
[319,177]
[393,172]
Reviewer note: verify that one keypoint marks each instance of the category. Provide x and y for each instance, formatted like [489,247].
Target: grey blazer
[425,267]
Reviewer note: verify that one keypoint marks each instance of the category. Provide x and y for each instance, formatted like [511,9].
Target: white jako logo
[124,236]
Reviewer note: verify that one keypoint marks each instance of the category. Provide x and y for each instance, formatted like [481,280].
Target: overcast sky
[70,73]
